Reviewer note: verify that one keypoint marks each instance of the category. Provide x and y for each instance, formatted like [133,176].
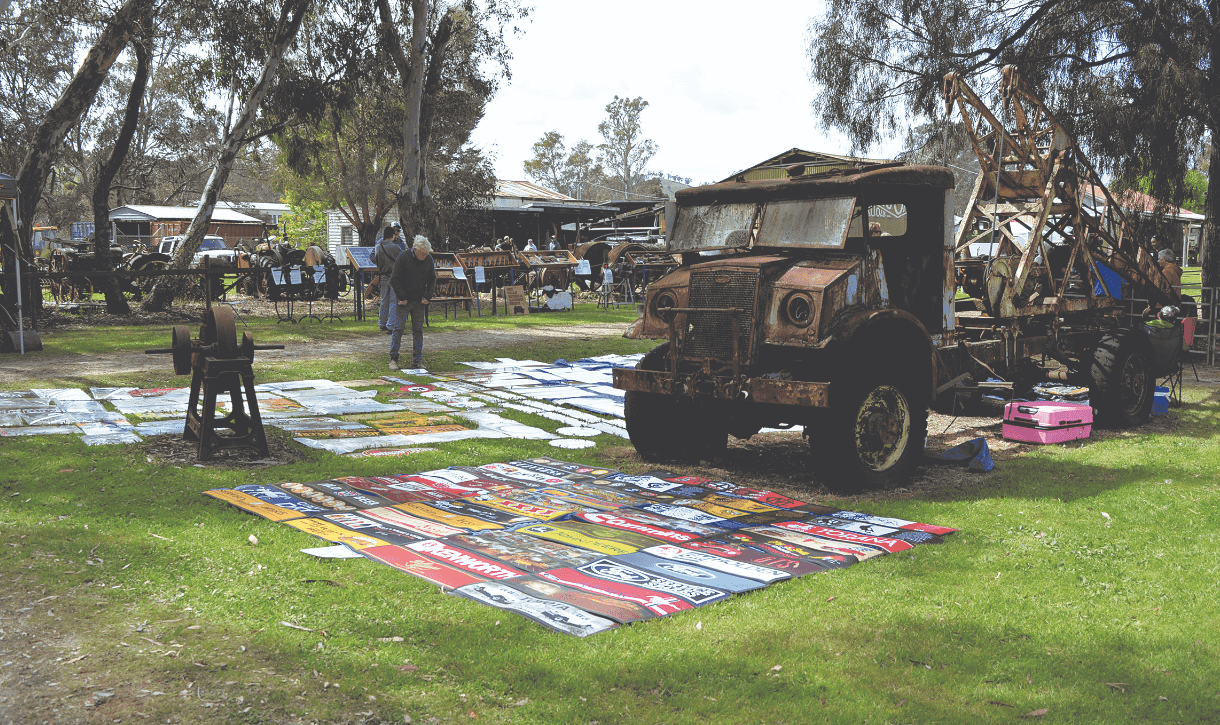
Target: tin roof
[815,162]
[526,190]
[139,212]
[1132,200]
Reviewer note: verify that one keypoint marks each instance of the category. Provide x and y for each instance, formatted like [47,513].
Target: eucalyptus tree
[1133,80]
[117,26]
[445,54]
[623,151]
[248,42]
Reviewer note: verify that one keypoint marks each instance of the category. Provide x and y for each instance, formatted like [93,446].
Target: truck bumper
[757,390]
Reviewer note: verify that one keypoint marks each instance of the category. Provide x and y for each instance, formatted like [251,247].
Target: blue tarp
[1113,282]
[974,453]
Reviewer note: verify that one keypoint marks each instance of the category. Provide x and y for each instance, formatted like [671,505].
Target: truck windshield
[808,223]
[817,223]
[212,244]
[717,226]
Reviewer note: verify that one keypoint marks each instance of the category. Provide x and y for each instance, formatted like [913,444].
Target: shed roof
[526,190]
[1132,200]
[815,162]
[142,213]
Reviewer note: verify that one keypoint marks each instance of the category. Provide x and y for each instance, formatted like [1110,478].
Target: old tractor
[829,301]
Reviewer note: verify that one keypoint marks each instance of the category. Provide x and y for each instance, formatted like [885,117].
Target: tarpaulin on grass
[974,453]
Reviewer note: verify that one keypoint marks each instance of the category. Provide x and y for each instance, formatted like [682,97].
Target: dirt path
[42,366]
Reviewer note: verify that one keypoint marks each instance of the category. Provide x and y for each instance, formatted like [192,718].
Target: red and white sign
[618,522]
[880,542]
[465,560]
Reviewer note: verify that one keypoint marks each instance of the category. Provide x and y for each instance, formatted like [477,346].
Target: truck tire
[874,435]
[667,427]
[1122,379]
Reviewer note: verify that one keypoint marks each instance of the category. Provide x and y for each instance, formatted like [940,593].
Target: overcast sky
[727,84]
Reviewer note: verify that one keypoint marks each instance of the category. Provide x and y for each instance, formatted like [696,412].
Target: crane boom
[1034,176]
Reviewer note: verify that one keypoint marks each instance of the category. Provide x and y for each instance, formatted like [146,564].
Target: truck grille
[711,333]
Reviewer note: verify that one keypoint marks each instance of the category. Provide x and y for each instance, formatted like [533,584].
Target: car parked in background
[213,248]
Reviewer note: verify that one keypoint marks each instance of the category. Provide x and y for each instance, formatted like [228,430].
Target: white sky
[727,83]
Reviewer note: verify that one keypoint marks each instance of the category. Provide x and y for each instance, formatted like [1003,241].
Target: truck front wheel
[874,436]
[668,427]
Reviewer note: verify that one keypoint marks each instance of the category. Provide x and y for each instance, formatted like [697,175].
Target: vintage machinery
[218,366]
[790,308]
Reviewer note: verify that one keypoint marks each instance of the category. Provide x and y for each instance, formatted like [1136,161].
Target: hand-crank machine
[220,365]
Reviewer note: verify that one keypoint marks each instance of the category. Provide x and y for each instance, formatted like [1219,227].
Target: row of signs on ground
[577,548]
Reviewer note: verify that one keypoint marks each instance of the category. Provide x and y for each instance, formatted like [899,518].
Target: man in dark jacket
[414,282]
[385,252]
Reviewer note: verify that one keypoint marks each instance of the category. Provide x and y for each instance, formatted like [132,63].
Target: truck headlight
[798,308]
[663,301]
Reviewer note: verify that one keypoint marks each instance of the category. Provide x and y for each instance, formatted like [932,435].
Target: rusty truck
[830,301]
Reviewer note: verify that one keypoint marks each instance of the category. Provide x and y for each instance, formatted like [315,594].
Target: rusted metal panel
[759,390]
[790,392]
[810,187]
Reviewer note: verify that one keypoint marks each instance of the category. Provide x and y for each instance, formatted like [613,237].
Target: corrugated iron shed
[816,162]
[142,213]
[526,190]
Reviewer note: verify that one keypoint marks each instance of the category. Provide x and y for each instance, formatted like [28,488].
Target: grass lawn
[1081,588]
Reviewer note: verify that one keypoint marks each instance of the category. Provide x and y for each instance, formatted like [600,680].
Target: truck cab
[817,301]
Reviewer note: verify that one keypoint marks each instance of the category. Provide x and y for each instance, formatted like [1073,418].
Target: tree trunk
[289,23]
[1209,254]
[413,94]
[66,112]
[116,303]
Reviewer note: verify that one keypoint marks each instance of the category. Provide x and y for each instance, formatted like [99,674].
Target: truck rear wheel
[1122,378]
[669,427]
[874,436]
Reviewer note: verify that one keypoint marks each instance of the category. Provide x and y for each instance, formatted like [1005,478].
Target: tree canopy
[1132,80]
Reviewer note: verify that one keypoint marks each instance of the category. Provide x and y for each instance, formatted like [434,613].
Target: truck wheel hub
[883,427]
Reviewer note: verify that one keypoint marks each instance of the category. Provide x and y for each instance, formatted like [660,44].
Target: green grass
[1082,581]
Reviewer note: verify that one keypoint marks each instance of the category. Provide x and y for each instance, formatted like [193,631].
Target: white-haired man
[414,282]
[1170,268]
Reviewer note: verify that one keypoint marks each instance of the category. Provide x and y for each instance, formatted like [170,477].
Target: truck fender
[867,332]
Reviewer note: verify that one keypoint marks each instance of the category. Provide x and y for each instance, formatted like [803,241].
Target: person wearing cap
[1170,268]
[414,283]
[385,252]
[554,244]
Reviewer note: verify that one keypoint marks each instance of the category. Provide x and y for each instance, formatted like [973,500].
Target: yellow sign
[741,504]
[249,503]
[462,522]
[326,530]
[564,536]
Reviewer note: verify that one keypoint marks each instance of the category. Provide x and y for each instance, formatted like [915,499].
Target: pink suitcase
[1047,422]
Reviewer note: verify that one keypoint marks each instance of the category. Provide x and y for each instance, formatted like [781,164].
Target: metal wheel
[667,427]
[874,434]
[220,328]
[1122,378]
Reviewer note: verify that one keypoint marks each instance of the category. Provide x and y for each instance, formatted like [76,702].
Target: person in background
[530,246]
[1170,268]
[553,244]
[385,252]
[414,282]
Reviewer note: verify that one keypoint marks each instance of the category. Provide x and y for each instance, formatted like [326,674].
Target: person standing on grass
[414,283]
[384,253]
